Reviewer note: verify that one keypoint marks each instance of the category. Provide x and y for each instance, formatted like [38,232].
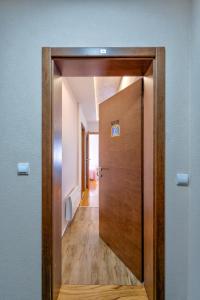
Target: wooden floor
[90,270]
[86,259]
[91,195]
[104,292]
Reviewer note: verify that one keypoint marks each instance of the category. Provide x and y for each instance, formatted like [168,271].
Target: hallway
[86,259]
[91,195]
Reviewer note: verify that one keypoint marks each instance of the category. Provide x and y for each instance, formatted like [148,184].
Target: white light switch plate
[23,168]
[182,179]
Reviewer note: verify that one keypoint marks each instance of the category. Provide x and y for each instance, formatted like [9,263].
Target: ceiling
[83,90]
[106,87]
[91,91]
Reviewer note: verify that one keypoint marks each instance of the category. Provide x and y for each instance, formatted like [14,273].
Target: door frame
[83,159]
[87,160]
[157,55]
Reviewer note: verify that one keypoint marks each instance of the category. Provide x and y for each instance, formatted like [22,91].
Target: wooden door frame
[83,159]
[87,160]
[157,55]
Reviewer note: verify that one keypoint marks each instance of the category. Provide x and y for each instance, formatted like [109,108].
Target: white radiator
[71,203]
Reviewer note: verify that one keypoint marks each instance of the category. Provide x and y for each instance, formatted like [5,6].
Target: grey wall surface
[194,207]
[26,26]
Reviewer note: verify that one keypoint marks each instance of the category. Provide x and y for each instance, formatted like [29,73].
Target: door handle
[101,168]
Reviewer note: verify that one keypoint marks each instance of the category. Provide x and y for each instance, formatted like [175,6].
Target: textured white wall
[70,144]
[194,206]
[26,26]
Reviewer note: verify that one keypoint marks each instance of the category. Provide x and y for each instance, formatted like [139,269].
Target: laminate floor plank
[91,195]
[86,259]
[102,292]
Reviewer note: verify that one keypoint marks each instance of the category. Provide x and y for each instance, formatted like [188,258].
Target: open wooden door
[57,181]
[120,207]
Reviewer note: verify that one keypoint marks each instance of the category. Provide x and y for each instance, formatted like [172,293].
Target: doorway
[146,62]
[101,227]
[91,195]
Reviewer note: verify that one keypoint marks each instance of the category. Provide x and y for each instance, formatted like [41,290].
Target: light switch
[103,51]
[182,179]
[23,168]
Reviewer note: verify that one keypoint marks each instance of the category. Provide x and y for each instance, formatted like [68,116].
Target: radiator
[71,203]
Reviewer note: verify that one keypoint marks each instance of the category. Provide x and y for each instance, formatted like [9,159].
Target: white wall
[194,201]
[93,126]
[26,26]
[72,118]
[70,144]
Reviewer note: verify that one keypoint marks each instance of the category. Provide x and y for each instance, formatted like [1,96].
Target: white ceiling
[106,87]
[91,91]
[83,90]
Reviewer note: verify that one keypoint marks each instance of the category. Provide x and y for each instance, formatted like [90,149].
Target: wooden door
[57,181]
[120,220]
